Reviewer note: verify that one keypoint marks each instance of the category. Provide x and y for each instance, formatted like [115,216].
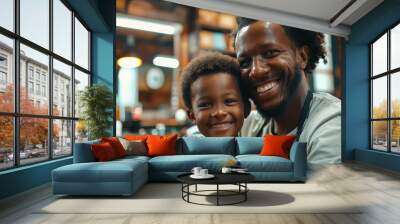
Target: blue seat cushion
[249,145]
[257,163]
[111,171]
[206,145]
[185,163]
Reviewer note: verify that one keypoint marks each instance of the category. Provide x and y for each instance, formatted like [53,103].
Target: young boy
[214,95]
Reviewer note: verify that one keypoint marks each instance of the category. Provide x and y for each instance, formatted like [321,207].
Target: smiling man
[275,62]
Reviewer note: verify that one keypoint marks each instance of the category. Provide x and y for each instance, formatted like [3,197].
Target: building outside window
[385,92]
[57,127]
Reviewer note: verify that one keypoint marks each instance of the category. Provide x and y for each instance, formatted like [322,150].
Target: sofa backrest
[206,145]
[248,145]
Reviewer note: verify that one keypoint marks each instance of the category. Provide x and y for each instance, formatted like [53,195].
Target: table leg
[196,188]
[217,194]
[245,191]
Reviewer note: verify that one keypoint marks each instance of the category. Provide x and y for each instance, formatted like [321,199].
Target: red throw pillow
[161,145]
[116,145]
[103,152]
[277,145]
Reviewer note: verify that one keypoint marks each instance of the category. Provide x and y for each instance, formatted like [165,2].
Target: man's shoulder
[326,98]
[325,102]
[325,112]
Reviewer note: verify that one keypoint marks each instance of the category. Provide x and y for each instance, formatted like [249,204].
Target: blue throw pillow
[207,145]
[249,145]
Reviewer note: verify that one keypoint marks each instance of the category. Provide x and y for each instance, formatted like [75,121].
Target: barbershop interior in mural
[150,59]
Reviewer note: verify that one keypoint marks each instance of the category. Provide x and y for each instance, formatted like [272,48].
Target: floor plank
[377,189]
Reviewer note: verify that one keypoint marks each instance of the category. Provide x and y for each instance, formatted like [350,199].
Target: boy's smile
[217,105]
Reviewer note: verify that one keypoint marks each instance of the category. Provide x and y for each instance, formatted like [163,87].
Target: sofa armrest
[298,155]
[83,152]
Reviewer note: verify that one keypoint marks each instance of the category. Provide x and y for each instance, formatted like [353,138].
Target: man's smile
[266,87]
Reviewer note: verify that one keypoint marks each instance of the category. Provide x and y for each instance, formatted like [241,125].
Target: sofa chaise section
[86,177]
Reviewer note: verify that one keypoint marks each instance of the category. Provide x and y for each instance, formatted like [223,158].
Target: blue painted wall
[24,178]
[356,110]
[99,15]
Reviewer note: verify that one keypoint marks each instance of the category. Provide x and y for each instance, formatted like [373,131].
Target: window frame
[388,74]
[16,115]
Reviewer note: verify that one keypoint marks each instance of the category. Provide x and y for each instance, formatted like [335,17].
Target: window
[3,71]
[385,94]
[30,72]
[30,87]
[39,80]
[43,90]
[3,61]
[3,78]
[37,75]
[38,89]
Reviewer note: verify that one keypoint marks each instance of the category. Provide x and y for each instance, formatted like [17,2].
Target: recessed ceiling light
[129,62]
[147,25]
[166,61]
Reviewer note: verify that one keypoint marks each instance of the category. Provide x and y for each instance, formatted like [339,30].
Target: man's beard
[294,84]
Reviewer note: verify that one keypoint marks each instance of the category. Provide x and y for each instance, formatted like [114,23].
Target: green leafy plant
[96,103]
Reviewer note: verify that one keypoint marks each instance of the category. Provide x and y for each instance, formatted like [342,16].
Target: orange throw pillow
[161,145]
[277,145]
[135,137]
[116,145]
[103,152]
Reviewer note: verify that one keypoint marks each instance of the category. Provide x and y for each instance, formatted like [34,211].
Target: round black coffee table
[238,179]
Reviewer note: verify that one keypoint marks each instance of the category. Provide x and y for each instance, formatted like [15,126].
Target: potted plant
[96,103]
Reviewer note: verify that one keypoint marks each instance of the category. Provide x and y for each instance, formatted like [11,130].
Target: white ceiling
[316,15]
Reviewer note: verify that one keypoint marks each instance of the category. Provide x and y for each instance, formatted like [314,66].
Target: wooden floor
[378,188]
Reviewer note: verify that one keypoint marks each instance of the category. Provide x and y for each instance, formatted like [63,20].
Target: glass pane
[6,142]
[62,138]
[379,135]
[379,55]
[6,74]
[395,136]
[7,14]
[395,94]
[62,29]
[81,81]
[395,47]
[34,78]
[62,89]
[379,97]
[81,45]
[33,139]
[35,21]
[81,131]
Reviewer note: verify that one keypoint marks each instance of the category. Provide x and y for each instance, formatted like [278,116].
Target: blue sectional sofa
[125,176]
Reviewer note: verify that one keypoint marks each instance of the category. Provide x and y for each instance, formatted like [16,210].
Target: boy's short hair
[207,64]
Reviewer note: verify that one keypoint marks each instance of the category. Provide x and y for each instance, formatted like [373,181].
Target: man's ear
[247,107]
[302,56]
[190,115]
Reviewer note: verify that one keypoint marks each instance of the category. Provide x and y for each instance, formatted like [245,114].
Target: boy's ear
[247,107]
[190,115]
